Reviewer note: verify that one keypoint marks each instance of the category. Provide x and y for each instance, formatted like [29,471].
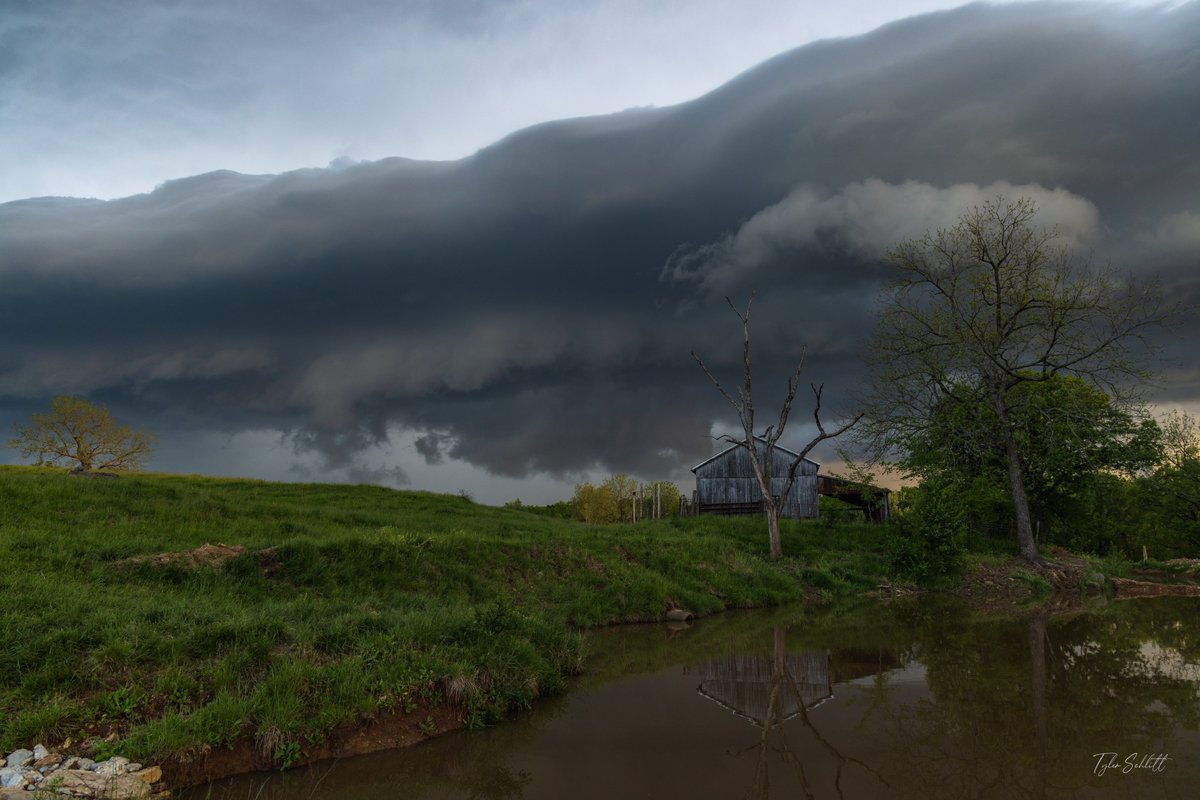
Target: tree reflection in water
[769,692]
[1012,707]
[1021,708]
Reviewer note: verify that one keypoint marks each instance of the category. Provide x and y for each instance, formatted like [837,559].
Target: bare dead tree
[761,459]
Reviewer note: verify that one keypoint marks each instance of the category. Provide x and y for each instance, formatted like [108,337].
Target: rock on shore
[23,771]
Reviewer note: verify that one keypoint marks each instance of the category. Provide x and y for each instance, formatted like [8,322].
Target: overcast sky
[470,245]
[107,98]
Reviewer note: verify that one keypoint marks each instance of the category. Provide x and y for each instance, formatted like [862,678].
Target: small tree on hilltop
[76,432]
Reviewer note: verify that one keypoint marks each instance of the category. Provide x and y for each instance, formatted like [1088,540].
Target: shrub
[837,512]
[930,541]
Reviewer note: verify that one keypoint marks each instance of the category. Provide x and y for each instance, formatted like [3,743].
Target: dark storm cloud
[430,447]
[532,308]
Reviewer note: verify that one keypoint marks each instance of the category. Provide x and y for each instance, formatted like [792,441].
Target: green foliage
[669,498]
[564,509]
[1066,431]
[1180,439]
[124,702]
[1156,509]
[48,720]
[1073,442]
[1167,501]
[928,540]
[833,511]
[622,499]
[76,433]
[1173,502]
[1037,583]
[287,754]
[623,490]
[595,505]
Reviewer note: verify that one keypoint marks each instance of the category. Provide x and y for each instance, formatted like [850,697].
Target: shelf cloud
[529,310]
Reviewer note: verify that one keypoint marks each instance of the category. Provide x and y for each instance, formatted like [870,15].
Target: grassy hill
[333,604]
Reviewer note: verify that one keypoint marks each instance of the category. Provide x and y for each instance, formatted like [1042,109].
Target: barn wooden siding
[725,484]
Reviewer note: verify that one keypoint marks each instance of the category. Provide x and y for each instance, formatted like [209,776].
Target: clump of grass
[48,721]
[1037,584]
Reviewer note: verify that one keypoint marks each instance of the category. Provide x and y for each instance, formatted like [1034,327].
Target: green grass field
[364,600]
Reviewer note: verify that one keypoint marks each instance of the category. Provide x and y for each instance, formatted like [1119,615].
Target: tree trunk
[773,528]
[1039,683]
[1016,486]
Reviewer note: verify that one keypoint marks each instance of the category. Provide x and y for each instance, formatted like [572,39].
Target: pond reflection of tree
[1021,707]
[769,691]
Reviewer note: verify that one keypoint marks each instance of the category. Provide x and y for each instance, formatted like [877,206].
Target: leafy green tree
[75,432]
[1068,433]
[1180,439]
[624,490]
[615,498]
[928,541]
[668,497]
[595,504]
[1168,500]
[979,310]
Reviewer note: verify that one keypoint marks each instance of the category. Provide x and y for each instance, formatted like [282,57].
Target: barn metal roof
[778,447]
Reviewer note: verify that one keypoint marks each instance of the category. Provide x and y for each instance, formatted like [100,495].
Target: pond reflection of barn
[743,683]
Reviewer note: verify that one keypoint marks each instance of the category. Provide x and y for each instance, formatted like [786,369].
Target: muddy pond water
[922,698]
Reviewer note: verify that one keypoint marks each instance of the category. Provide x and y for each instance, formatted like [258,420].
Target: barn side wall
[729,481]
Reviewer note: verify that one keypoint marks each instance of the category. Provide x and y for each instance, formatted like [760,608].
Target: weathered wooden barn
[725,483]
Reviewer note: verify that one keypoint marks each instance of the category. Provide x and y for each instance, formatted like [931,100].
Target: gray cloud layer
[531,309]
[109,97]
